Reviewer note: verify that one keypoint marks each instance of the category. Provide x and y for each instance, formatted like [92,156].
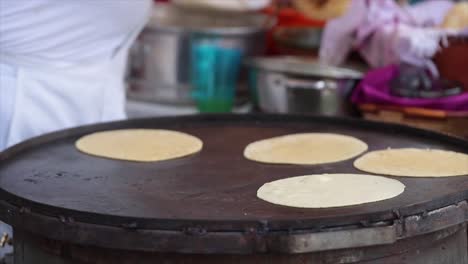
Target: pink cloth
[375,88]
[385,33]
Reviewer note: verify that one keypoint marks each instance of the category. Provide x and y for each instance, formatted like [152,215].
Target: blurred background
[396,61]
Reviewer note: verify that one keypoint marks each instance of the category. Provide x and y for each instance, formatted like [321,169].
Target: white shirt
[62,63]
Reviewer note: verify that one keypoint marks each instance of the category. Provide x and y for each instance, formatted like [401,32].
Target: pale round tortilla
[305,149]
[143,145]
[414,162]
[329,190]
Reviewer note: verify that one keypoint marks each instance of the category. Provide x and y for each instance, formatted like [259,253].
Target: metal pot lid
[305,67]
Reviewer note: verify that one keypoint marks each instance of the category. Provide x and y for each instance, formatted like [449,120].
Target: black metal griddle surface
[216,188]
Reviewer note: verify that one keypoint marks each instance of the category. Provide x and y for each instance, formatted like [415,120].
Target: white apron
[62,63]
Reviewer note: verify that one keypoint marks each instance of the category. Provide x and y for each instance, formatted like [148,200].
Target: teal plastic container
[214,76]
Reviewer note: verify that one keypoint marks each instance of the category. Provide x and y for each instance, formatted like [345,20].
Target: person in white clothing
[62,64]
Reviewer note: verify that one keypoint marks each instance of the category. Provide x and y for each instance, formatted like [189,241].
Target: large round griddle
[211,191]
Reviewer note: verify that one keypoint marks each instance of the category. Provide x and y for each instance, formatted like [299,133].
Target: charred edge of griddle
[195,231]
[130,226]
[68,220]
[24,210]
[401,222]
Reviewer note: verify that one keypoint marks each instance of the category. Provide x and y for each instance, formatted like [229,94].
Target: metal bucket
[160,60]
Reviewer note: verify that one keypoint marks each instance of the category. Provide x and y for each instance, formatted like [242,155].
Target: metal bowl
[295,85]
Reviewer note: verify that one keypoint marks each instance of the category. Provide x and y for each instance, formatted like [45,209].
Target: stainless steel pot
[293,85]
[300,39]
[160,61]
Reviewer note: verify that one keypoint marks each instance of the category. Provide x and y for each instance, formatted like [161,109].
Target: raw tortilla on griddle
[144,145]
[305,149]
[329,190]
[413,162]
